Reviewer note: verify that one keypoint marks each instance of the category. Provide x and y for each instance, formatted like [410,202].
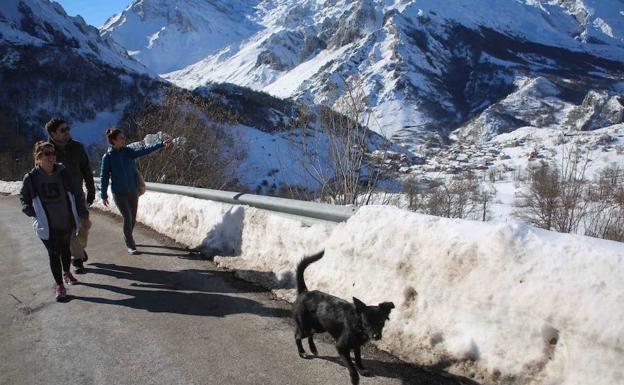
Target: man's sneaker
[79,267]
[69,279]
[60,292]
[132,251]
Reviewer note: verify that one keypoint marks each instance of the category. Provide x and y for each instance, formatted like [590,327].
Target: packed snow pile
[10,188]
[499,302]
[502,302]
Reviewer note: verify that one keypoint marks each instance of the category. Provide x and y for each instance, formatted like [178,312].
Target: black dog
[351,325]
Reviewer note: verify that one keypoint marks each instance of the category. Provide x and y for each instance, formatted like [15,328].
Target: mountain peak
[169,35]
[45,23]
[429,67]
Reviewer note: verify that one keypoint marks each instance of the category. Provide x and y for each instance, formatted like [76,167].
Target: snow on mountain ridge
[56,65]
[595,19]
[534,103]
[539,21]
[41,23]
[168,35]
[539,102]
[428,66]
[46,71]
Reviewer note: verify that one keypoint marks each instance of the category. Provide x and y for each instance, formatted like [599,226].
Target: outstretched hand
[168,142]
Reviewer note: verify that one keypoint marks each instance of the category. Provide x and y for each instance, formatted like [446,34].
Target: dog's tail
[305,262]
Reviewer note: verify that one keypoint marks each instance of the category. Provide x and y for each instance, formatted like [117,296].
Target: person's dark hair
[39,147]
[53,124]
[111,134]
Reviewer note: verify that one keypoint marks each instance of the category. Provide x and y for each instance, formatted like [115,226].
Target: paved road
[162,317]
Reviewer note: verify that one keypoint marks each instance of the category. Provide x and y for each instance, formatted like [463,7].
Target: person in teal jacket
[118,166]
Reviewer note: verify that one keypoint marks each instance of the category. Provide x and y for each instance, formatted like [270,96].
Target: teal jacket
[118,166]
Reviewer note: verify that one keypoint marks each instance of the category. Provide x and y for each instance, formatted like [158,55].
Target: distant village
[462,157]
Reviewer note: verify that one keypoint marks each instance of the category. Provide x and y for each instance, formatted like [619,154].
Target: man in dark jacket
[73,156]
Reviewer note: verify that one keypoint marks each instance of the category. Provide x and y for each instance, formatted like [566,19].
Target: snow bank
[11,188]
[226,230]
[500,302]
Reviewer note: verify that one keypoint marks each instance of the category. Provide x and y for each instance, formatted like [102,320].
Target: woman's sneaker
[69,279]
[60,292]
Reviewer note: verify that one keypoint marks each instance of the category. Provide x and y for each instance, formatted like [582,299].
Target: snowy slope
[501,162]
[592,26]
[428,66]
[56,65]
[542,103]
[44,23]
[168,35]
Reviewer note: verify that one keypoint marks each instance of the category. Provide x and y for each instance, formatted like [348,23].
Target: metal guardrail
[313,210]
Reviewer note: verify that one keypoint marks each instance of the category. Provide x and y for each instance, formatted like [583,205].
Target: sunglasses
[49,153]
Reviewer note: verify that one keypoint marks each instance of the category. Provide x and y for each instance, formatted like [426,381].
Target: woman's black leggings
[58,251]
[127,204]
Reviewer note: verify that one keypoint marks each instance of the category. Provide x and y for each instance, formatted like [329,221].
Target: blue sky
[95,12]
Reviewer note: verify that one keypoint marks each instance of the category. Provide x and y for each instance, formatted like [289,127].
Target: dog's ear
[386,307]
[359,305]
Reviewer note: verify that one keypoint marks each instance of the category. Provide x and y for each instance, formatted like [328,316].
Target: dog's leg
[302,353]
[345,354]
[358,362]
[300,333]
[298,337]
[312,346]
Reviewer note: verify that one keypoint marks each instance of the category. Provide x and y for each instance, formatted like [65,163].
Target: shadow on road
[164,247]
[408,374]
[268,279]
[189,279]
[171,251]
[171,301]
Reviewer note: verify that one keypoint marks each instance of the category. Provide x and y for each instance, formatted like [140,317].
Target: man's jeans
[78,243]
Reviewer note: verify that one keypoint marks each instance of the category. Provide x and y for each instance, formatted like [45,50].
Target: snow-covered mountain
[539,102]
[432,71]
[151,31]
[53,64]
[46,24]
[428,66]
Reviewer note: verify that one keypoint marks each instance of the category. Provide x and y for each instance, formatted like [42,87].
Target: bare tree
[605,218]
[210,156]
[15,152]
[411,189]
[483,199]
[537,202]
[555,195]
[336,155]
[457,197]
[573,204]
